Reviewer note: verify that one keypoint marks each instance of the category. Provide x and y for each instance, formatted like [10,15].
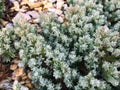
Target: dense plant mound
[83,53]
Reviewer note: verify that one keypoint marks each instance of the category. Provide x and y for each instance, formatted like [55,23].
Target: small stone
[34,14]
[60,19]
[24,88]
[20,65]
[12,1]
[21,15]
[32,0]
[8,25]
[5,85]
[56,11]
[65,6]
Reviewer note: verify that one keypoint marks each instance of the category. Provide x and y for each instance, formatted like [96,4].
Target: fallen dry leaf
[39,9]
[29,85]
[24,78]
[33,5]
[48,5]
[22,82]
[4,23]
[18,72]
[16,78]
[13,67]
[24,74]
[24,2]
[28,81]
[29,76]
[16,6]
[24,8]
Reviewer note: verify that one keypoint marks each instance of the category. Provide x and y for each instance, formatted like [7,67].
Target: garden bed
[60,45]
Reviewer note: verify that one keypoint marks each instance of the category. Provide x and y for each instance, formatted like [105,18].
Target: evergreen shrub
[83,53]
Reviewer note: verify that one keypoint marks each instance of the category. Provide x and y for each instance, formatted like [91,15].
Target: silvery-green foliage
[6,49]
[19,40]
[111,11]
[83,53]
[110,73]
[83,41]
[89,82]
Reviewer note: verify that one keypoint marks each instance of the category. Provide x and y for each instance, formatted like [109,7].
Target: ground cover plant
[82,53]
